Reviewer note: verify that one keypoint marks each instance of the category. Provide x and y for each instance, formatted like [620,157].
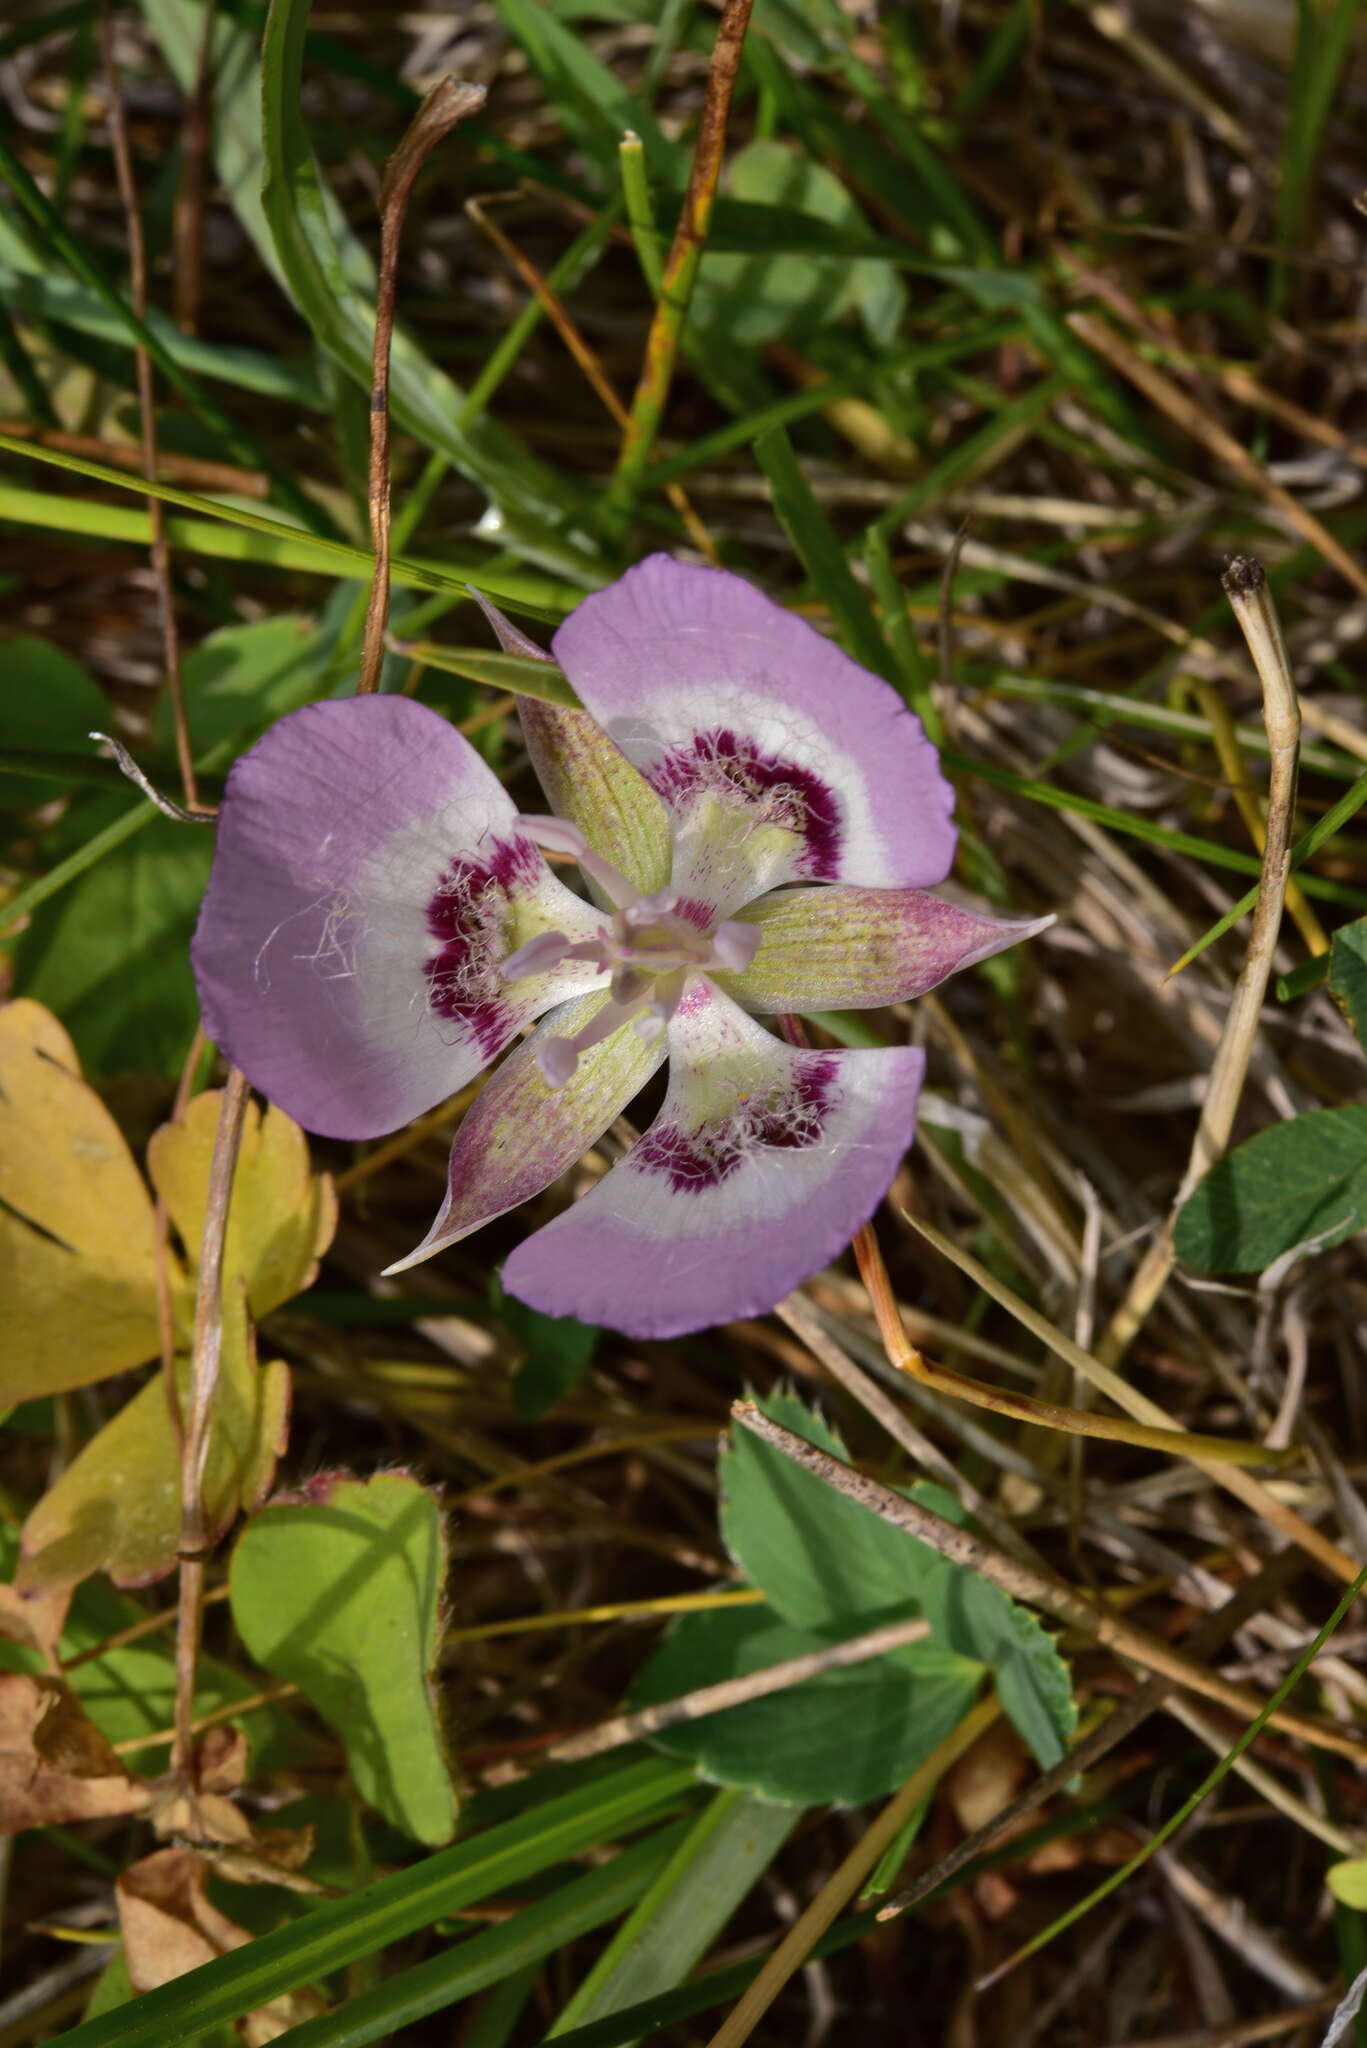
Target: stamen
[557,835]
[538,956]
[558,1057]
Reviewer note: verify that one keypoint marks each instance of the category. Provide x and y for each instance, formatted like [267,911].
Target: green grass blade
[534,1932]
[1338,815]
[320,277]
[1324,42]
[809,530]
[1177,842]
[278,544]
[342,1930]
[58,242]
[717,1861]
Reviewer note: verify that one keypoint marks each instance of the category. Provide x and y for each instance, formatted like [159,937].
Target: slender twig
[204,815]
[1251,1491]
[849,1878]
[715,1699]
[1038,1589]
[156,511]
[1178,1443]
[558,314]
[1207,1636]
[448,102]
[1246,588]
[205,1363]
[681,266]
[1190,415]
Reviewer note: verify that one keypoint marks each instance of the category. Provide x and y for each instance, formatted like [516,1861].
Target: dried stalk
[846,1881]
[205,1364]
[1246,588]
[558,314]
[449,102]
[187,218]
[1192,417]
[1037,1589]
[904,1355]
[681,266]
[1241,1484]
[147,419]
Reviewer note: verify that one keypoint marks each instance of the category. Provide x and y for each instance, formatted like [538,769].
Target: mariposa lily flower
[756,820]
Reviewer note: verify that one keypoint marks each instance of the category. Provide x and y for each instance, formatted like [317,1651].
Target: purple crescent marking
[786,1119]
[469,915]
[724,764]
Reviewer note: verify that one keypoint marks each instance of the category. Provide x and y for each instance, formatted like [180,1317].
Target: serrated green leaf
[824,1562]
[1348,974]
[821,1560]
[1304,1182]
[339,1590]
[979,1620]
[849,1735]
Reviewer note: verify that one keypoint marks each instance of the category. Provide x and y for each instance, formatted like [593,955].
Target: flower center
[649,948]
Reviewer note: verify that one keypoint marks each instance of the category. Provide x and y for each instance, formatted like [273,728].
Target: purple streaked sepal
[847,948]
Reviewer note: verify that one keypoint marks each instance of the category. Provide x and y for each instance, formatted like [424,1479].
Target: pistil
[648,949]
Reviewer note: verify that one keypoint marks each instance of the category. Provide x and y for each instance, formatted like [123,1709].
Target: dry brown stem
[205,1363]
[449,102]
[1035,1588]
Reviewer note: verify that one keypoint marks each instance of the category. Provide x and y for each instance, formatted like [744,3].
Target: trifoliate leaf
[849,1735]
[1304,1182]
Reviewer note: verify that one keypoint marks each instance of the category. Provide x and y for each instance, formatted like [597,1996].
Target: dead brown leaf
[55,1765]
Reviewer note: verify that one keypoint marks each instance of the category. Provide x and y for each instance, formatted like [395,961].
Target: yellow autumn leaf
[281,1217]
[77,1244]
[116,1508]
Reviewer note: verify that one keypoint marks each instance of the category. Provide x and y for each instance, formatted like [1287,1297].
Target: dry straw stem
[1246,588]
[1243,1485]
[1188,414]
[681,266]
[1205,1638]
[1225,735]
[205,1363]
[558,314]
[147,418]
[449,102]
[1038,1589]
[797,1312]
[715,1699]
[1027,1407]
[845,1882]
